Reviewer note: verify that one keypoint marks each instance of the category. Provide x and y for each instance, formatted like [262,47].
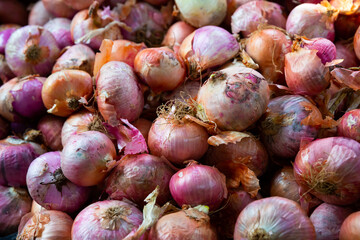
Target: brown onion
[350,228]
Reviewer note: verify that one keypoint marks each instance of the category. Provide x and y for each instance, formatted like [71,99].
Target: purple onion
[5,72]
[51,127]
[5,33]
[14,204]
[60,28]
[39,15]
[49,187]
[111,219]
[327,220]
[15,158]
[326,48]
[346,52]
[4,128]
[31,50]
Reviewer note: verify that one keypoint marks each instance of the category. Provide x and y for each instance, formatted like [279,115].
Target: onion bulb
[350,227]
[50,127]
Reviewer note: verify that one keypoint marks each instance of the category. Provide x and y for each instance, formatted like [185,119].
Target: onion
[22,98]
[119,50]
[207,47]
[349,125]
[177,140]
[234,98]
[283,184]
[62,91]
[48,186]
[249,16]
[12,11]
[80,4]
[357,43]
[198,185]
[232,5]
[58,8]
[268,48]
[31,50]
[350,227]
[136,176]
[274,218]
[87,158]
[15,158]
[5,72]
[202,13]
[327,168]
[312,20]
[111,219]
[50,127]
[60,28]
[346,52]
[4,128]
[118,93]
[187,91]
[144,126]
[5,32]
[49,224]
[327,220]
[14,203]
[160,68]
[284,125]
[39,15]
[77,57]
[176,34]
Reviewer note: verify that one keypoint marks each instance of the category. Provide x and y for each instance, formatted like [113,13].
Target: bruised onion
[39,15]
[234,98]
[87,158]
[118,93]
[176,34]
[14,203]
[349,125]
[350,227]
[346,52]
[283,184]
[328,169]
[48,186]
[58,8]
[160,68]
[62,91]
[274,218]
[50,127]
[77,57]
[31,50]
[60,28]
[5,32]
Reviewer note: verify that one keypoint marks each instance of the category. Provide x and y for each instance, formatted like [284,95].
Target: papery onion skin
[349,125]
[14,203]
[48,224]
[326,49]
[177,141]
[202,13]
[327,168]
[31,50]
[283,184]
[143,125]
[62,91]
[5,33]
[15,158]
[60,28]
[13,11]
[350,227]
[110,219]
[311,20]
[268,48]
[176,34]
[48,186]
[234,98]
[80,4]
[87,158]
[160,68]
[327,220]
[346,52]
[5,72]
[58,8]
[118,93]
[249,16]
[39,15]
[198,185]
[357,43]
[4,128]
[274,218]
[136,176]
[50,127]
[281,126]
[232,5]
[77,57]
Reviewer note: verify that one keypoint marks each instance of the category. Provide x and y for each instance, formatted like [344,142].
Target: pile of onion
[60,28]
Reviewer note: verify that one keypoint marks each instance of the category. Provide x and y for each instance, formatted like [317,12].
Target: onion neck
[58,179]
[93,13]
[73,103]
[34,53]
[259,234]
[113,217]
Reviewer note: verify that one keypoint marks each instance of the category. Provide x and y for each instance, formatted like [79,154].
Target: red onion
[198,185]
[113,3]
[312,20]
[109,219]
[14,203]
[144,126]
[60,28]
[349,125]
[188,90]
[232,5]
[274,218]
[176,34]
[77,57]
[118,93]
[50,224]
[58,8]
[327,168]
[160,68]
[31,50]
[136,176]
[350,227]
[268,48]
[327,220]
[234,98]
[283,184]
[87,158]
[346,25]
[5,32]
[15,158]
[5,72]
[4,128]
[249,16]
[39,15]
[48,186]
[80,4]
[346,52]
[50,127]
[207,47]
[190,224]
[13,11]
